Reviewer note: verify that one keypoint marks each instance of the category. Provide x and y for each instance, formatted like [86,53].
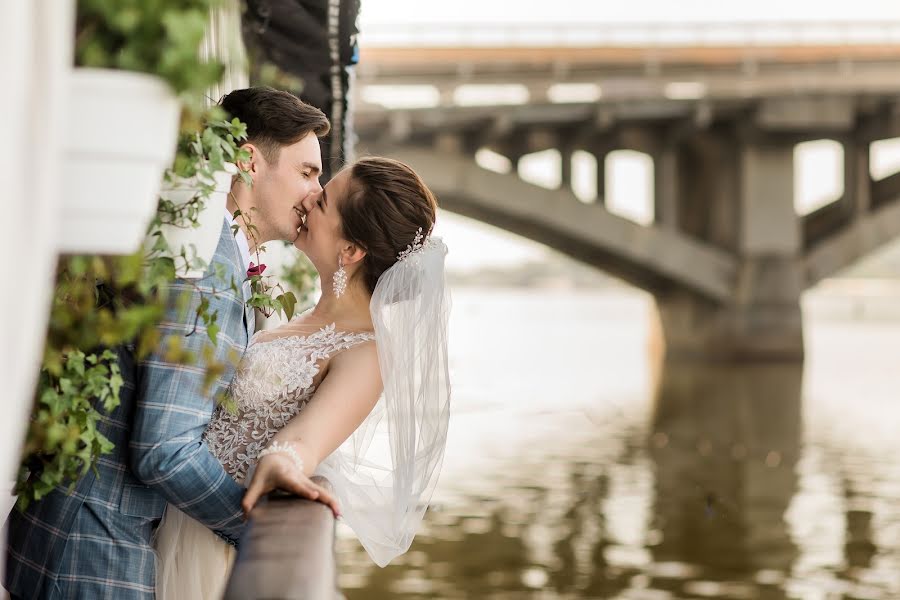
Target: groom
[96,541]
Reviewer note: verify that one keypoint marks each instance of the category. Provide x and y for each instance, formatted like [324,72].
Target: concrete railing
[287,551]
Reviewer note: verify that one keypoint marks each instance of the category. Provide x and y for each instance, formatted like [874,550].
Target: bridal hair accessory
[339,281]
[385,473]
[277,447]
[416,246]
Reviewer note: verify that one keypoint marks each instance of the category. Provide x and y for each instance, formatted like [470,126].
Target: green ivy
[204,149]
[100,303]
[63,431]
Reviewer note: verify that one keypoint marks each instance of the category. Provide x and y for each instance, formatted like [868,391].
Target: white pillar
[223,42]
[36,39]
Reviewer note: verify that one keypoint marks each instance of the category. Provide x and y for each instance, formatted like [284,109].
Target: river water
[577,467]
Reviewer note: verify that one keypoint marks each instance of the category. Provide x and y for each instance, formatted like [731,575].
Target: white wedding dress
[277,377]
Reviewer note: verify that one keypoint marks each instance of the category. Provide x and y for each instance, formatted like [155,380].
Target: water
[577,468]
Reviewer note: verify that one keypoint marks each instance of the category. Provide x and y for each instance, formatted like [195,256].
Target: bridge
[719,113]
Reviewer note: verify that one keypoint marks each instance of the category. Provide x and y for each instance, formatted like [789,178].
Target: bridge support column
[599,151]
[565,165]
[857,181]
[761,320]
[665,182]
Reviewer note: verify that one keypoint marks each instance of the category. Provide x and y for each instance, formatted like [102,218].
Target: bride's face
[319,237]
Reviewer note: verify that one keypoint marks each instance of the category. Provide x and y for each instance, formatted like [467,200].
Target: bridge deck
[381,58]
[640,72]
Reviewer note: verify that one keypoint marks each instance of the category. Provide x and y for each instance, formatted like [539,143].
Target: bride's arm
[341,402]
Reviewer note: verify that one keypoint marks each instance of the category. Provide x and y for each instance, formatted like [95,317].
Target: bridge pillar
[761,320]
[600,156]
[857,181]
[565,163]
[599,149]
[665,183]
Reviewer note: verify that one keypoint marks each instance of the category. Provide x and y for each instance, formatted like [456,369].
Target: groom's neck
[238,200]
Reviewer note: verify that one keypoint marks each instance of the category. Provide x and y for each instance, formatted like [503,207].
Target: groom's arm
[173,409]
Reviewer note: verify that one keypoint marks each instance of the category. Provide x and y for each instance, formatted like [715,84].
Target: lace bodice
[275,380]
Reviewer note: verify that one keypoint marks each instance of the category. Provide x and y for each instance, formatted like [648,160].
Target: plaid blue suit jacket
[95,542]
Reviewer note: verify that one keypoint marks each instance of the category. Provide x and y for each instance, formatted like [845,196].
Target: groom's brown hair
[274,118]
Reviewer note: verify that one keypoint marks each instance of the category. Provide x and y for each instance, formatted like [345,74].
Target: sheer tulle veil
[385,473]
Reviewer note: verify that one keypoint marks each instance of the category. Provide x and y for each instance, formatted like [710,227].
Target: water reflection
[757,481]
[859,548]
[724,447]
[693,504]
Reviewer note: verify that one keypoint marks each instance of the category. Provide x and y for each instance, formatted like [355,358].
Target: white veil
[385,473]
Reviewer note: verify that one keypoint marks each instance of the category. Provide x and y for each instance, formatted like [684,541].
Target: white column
[223,42]
[36,40]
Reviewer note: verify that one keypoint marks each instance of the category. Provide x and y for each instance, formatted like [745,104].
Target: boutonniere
[266,296]
[254,270]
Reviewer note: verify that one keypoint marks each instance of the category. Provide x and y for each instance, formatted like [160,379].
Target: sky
[609,11]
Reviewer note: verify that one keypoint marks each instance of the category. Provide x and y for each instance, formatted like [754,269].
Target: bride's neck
[351,310]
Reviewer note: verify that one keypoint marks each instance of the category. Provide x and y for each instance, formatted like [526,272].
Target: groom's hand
[278,472]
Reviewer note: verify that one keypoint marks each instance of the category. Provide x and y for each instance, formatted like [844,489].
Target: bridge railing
[287,551]
[754,33]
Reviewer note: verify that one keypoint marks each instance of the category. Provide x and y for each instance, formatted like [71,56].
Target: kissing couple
[356,389]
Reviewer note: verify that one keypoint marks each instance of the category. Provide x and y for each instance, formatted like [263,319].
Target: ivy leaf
[160,244]
[203,307]
[288,301]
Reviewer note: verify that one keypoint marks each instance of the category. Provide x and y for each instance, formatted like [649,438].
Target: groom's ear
[255,163]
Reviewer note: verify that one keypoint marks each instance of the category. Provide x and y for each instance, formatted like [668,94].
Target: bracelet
[277,447]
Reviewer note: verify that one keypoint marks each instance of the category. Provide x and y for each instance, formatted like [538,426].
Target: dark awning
[314,41]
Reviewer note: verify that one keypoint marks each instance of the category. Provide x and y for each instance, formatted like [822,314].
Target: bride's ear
[353,254]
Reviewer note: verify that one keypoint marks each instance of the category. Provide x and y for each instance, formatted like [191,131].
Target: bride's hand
[277,471]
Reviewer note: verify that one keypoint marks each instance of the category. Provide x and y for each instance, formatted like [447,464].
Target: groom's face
[281,186]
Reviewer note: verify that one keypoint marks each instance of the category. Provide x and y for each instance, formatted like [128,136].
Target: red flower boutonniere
[267,298]
[255,270]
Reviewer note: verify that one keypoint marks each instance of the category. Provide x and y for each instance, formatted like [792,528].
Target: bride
[356,389]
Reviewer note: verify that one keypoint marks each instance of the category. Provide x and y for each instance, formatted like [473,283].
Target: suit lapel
[249,314]
[239,273]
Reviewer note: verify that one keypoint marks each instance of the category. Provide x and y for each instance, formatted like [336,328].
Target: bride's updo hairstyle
[386,205]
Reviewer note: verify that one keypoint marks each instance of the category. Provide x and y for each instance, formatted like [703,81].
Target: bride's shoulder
[363,355]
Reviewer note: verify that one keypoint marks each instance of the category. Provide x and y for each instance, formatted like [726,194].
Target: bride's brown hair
[386,205]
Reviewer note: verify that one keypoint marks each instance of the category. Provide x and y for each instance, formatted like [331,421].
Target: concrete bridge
[727,256]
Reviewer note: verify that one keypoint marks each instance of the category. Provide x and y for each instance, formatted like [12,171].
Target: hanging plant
[159,37]
[100,303]
[189,213]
